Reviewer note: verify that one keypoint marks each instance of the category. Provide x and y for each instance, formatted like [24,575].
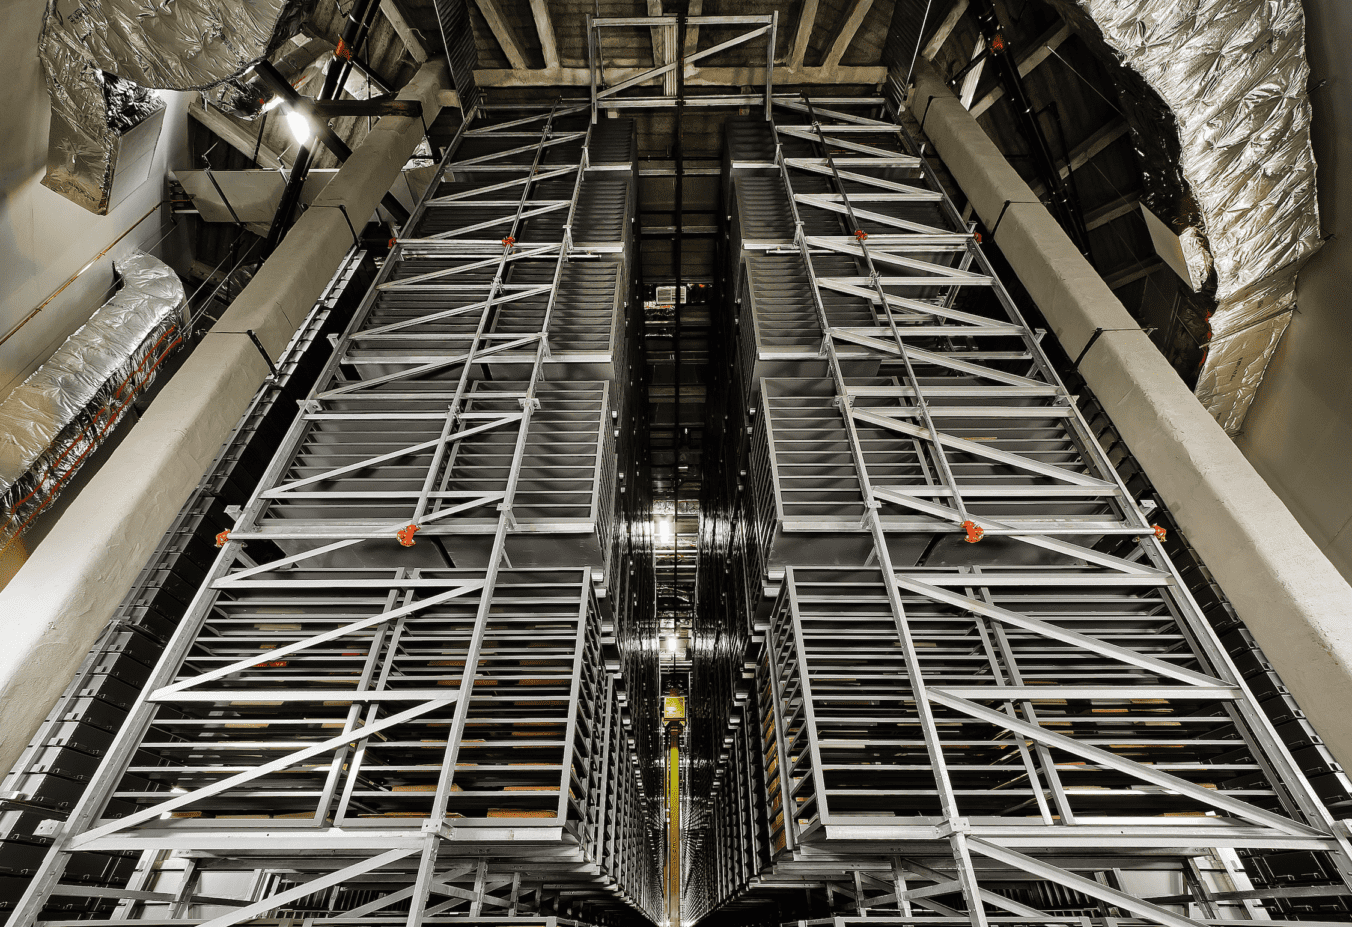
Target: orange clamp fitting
[974,532]
[391,244]
[342,51]
[1159,531]
[405,535]
[998,43]
[508,241]
[977,236]
[222,538]
[860,234]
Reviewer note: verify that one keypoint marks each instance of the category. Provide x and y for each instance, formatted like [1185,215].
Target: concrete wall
[44,238]
[1298,434]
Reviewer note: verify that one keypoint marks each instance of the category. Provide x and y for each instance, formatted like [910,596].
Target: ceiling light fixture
[300,127]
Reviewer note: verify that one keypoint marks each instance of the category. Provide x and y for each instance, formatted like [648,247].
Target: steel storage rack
[978,689]
[394,696]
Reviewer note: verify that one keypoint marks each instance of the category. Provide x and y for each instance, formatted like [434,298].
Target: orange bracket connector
[405,535]
[222,538]
[974,532]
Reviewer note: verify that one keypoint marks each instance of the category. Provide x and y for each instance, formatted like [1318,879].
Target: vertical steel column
[956,825]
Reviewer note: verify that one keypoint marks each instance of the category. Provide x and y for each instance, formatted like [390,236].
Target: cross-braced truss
[956,681]
[984,694]
[614,72]
[387,703]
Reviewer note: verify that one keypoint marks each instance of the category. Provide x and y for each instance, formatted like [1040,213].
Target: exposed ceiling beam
[695,76]
[945,29]
[1087,150]
[1133,273]
[807,18]
[692,31]
[235,135]
[370,106]
[502,31]
[545,27]
[659,34]
[1084,152]
[659,52]
[1034,56]
[849,27]
[973,78]
[1123,206]
[407,34]
[291,98]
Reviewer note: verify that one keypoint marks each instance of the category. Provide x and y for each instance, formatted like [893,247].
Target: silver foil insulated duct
[1234,74]
[54,419]
[100,56]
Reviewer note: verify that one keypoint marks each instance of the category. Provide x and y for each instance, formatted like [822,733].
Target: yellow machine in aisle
[673,716]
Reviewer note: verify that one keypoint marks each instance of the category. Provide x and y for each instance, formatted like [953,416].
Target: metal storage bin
[248,728]
[781,332]
[1023,465]
[587,328]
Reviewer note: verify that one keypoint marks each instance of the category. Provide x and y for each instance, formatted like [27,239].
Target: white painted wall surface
[1298,433]
[44,238]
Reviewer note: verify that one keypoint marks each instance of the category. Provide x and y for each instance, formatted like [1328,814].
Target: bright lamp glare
[673,644]
[664,530]
[300,126]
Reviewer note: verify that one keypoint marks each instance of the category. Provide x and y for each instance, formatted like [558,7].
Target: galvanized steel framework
[388,685]
[948,674]
[981,692]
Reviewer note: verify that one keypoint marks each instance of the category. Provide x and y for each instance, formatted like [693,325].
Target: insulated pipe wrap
[101,56]
[1287,592]
[65,408]
[1234,75]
